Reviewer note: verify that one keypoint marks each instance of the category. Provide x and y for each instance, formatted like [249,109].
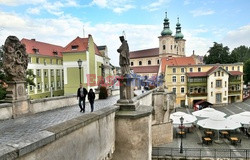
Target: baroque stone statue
[15,59]
[124,56]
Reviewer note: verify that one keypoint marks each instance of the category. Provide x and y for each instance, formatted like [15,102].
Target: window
[45,74]
[191,69]
[182,90]
[57,61]
[38,86]
[45,63]
[31,88]
[238,68]
[182,79]
[182,70]
[225,93]
[222,74]
[191,90]
[227,68]
[158,61]
[46,86]
[238,87]
[37,60]
[171,47]
[58,84]
[225,84]
[149,62]
[58,72]
[140,63]
[211,94]
[199,69]
[218,83]
[132,63]
[218,97]
[174,90]
[174,70]
[52,72]
[174,79]
[51,61]
[52,84]
[74,47]
[38,72]
[211,84]
[218,73]
[163,47]
[215,74]
[233,68]
[29,60]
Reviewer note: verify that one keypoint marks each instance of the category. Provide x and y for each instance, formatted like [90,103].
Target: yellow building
[218,84]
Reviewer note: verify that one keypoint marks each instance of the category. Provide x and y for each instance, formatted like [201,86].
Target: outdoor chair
[209,133]
[239,141]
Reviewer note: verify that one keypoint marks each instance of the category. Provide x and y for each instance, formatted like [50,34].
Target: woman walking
[91,98]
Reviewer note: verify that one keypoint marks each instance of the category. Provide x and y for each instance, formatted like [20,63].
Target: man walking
[81,95]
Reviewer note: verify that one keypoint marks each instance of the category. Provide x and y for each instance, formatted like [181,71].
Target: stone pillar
[162,128]
[16,95]
[132,125]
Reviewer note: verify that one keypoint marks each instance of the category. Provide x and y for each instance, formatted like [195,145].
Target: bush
[103,92]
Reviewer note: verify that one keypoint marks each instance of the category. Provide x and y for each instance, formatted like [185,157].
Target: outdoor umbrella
[242,118]
[208,112]
[218,123]
[188,119]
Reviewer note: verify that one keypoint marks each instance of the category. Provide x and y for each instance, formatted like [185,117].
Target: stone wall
[5,111]
[162,133]
[88,137]
[51,103]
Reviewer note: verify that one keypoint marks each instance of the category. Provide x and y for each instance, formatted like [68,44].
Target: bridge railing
[198,153]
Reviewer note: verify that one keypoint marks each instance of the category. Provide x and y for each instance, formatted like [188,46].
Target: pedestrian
[91,98]
[81,95]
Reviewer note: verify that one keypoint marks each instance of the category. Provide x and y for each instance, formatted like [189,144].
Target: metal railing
[200,153]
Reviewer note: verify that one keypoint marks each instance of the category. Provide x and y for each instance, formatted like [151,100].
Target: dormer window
[55,53]
[74,47]
[36,50]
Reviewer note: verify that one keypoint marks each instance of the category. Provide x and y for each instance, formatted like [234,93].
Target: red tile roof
[235,73]
[197,74]
[45,49]
[81,43]
[97,52]
[176,61]
[212,69]
[153,52]
[146,69]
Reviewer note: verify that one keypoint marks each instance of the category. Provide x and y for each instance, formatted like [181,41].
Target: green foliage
[218,54]
[240,54]
[103,92]
[30,76]
[247,71]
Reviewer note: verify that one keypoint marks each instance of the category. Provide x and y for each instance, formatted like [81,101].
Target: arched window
[132,63]
[149,62]
[158,61]
[163,47]
[140,63]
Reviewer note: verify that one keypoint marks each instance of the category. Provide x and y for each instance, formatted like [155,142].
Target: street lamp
[181,119]
[80,67]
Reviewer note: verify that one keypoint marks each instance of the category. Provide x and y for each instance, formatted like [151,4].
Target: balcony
[195,84]
[234,92]
[197,94]
[234,81]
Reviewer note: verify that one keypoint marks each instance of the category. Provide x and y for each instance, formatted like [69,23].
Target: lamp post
[80,67]
[181,147]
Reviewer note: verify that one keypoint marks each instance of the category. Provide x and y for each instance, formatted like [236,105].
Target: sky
[59,22]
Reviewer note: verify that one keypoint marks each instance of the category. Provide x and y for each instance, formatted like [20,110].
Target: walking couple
[81,95]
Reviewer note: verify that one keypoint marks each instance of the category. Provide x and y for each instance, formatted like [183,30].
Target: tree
[218,54]
[246,71]
[240,54]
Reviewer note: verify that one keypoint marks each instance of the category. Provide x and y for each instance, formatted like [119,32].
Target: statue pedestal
[127,101]
[16,95]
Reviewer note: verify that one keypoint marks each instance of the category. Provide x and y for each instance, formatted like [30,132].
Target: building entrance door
[218,97]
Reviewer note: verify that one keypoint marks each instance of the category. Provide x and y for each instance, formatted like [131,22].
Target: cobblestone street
[15,129]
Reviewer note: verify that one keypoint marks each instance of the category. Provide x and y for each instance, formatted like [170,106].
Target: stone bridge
[65,133]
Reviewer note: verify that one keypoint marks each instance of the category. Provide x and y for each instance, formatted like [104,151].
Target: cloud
[156,5]
[202,12]
[35,10]
[117,6]
[237,37]
[20,2]
[186,2]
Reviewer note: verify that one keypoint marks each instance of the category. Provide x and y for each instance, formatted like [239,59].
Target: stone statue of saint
[124,56]
[15,59]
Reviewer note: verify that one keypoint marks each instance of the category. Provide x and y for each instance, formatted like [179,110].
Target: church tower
[171,45]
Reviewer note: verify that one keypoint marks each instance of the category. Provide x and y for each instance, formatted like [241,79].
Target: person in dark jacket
[81,95]
[91,98]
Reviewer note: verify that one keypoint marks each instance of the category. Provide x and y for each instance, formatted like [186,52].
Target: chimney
[33,39]
[193,52]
